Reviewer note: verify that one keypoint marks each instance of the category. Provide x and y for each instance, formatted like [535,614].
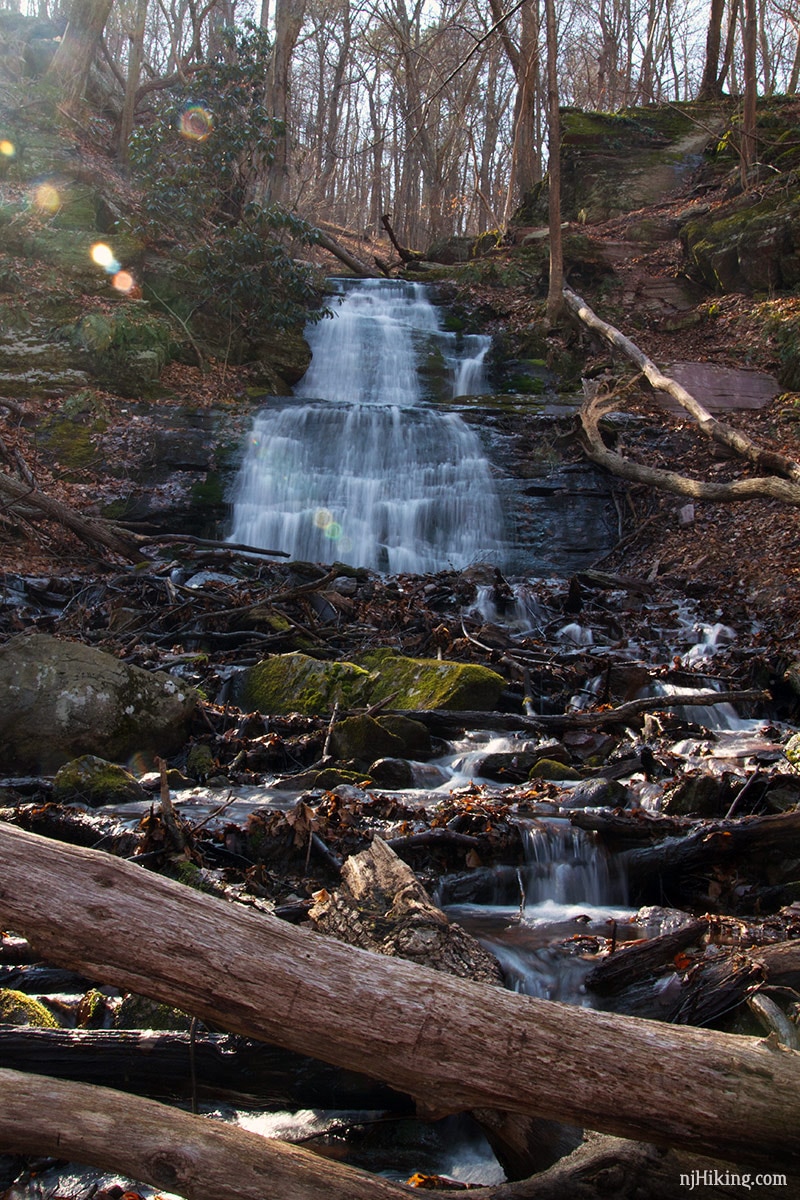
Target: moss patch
[18,1009]
[424,683]
[297,683]
[94,781]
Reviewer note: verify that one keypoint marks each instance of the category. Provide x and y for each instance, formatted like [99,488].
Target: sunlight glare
[196,123]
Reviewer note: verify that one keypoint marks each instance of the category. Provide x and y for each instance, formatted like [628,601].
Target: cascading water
[362,470]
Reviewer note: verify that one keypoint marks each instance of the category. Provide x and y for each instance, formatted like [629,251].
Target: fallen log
[338,251]
[447,723]
[204,1159]
[743,446]
[713,842]
[177,1064]
[630,963]
[96,533]
[415,1028]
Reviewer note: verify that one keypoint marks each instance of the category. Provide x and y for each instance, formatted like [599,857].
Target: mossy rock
[425,683]
[415,736]
[328,778]
[548,768]
[140,1012]
[295,682]
[697,795]
[16,1008]
[95,781]
[200,762]
[362,739]
[746,246]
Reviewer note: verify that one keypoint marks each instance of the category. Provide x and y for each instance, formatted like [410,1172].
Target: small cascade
[563,866]
[362,470]
[566,887]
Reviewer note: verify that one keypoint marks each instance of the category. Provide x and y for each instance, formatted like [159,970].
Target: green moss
[297,683]
[94,781]
[18,1009]
[547,768]
[424,683]
[362,739]
[140,1012]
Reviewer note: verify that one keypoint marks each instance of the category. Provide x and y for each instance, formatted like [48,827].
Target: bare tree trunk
[288,23]
[555,296]
[132,80]
[75,54]
[749,147]
[711,86]
[414,1027]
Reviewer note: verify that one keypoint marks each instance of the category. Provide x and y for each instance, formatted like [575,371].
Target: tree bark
[73,59]
[338,251]
[196,1157]
[710,86]
[415,1028]
[555,292]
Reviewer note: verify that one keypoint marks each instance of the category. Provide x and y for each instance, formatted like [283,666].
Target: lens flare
[123,281]
[7,148]
[103,255]
[333,531]
[323,517]
[47,198]
[196,123]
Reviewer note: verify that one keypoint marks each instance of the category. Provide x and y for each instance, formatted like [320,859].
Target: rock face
[63,699]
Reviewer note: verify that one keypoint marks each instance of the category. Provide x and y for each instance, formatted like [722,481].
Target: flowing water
[361,467]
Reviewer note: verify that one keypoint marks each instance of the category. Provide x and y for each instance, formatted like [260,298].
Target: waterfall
[359,467]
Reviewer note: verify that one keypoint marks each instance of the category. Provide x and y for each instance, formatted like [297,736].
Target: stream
[368,465]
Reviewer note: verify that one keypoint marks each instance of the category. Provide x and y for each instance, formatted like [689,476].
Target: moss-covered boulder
[548,768]
[746,246]
[95,781]
[414,735]
[16,1008]
[363,740]
[424,683]
[63,699]
[297,683]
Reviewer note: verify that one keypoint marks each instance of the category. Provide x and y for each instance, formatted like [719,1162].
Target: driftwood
[630,963]
[177,1064]
[382,906]
[414,1028]
[782,484]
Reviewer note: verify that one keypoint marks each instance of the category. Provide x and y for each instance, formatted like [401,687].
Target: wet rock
[782,793]
[595,793]
[507,766]
[328,778]
[64,699]
[697,795]
[95,781]
[392,773]
[363,739]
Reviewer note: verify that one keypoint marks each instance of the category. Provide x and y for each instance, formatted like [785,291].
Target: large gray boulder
[63,699]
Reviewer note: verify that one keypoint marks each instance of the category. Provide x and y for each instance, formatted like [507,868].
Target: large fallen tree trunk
[417,1029]
[204,1159]
[338,251]
[210,1065]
